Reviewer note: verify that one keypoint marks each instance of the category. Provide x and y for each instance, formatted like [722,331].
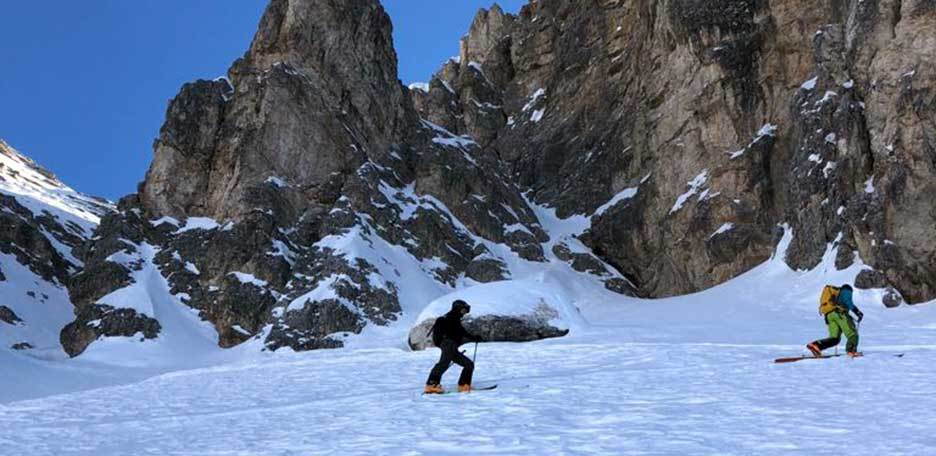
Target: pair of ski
[482,388]
[800,358]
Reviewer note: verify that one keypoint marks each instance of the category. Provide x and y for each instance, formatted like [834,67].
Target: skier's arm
[857,312]
[850,305]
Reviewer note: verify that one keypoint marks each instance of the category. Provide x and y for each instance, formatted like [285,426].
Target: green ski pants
[840,323]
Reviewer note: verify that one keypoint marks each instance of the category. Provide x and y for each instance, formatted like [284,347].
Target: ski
[800,358]
[485,388]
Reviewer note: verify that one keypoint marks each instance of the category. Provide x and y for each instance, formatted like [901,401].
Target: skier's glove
[859,315]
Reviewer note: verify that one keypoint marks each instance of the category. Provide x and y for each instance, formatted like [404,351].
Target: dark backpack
[437,332]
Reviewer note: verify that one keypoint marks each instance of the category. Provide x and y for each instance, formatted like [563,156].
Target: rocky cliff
[310,196]
[689,130]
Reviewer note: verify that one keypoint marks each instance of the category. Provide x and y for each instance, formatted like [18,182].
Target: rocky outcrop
[316,94]
[8,316]
[23,236]
[94,322]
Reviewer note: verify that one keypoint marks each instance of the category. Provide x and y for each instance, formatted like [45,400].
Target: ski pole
[475,355]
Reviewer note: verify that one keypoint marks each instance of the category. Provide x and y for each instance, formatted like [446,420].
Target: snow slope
[184,339]
[40,192]
[43,306]
[43,314]
[685,375]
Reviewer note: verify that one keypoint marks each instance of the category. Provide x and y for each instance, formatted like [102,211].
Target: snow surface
[810,84]
[198,223]
[166,219]
[768,129]
[684,375]
[21,178]
[446,138]
[829,167]
[277,181]
[623,195]
[424,86]
[43,307]
[726,227]
[534,99]
[826,97]
[694,185]
[323,291]
[184,337]
[248,279]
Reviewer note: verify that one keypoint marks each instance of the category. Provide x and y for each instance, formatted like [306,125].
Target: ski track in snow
[554,398]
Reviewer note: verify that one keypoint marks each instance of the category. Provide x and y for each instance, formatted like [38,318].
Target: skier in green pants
[835,305]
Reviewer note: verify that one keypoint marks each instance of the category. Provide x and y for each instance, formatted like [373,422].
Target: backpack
[828,300]
[437,332]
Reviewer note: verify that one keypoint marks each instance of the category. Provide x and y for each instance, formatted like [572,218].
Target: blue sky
[84,84]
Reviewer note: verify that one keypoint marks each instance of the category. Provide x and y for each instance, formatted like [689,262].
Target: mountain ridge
[644,148]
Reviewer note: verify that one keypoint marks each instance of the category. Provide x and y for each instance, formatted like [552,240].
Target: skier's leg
[467,368]
[848,328]
[835,332]
[445,360]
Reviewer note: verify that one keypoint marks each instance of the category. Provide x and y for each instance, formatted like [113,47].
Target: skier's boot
[464,388]
[814,349]
[433,389]
[854,354]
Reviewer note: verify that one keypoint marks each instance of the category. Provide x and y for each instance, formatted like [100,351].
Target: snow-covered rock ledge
[507,311]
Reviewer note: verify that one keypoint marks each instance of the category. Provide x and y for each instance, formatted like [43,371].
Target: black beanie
[459,305]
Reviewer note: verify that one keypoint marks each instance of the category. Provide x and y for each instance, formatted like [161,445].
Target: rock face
[689,130]
[316,94]
[309,195]
[296,200]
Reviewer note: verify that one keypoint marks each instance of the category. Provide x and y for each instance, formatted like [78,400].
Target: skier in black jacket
[448,334]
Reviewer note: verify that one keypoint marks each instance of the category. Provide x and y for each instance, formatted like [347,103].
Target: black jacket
[449,327]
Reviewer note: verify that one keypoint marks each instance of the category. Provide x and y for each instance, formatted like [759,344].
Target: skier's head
[847,287]
[461,307]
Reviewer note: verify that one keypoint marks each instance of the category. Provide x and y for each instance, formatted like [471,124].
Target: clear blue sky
[84,84]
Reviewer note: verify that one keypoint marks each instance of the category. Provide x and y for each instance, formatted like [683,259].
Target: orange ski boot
[814,349]
[433,389]
[464,388]
[854,354]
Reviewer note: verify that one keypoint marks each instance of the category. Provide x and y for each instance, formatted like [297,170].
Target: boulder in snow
[506,311]
[869,279]
[8,316]
[498,328]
